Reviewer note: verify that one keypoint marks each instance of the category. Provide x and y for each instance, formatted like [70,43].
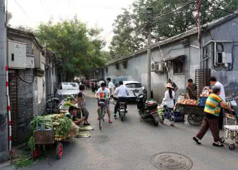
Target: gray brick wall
[25,103]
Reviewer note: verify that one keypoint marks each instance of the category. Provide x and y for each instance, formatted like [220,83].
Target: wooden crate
[44,137]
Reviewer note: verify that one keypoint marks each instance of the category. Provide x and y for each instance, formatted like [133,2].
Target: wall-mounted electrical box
[16,55]
[30,61]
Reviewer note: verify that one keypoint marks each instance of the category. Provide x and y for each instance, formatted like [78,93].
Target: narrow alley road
[131,144]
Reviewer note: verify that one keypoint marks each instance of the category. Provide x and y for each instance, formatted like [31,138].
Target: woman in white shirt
[169,98]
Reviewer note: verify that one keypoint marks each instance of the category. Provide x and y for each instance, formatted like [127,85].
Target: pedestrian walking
[211,116]
[110,86]
[169,101]
[214,82]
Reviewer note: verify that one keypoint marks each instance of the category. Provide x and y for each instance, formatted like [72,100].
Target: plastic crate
[178,117]
[202,101]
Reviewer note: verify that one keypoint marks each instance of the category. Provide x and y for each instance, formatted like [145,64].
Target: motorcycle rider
[103,93]
[122,93]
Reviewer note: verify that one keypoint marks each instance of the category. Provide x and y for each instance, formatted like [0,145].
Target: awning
[181,58]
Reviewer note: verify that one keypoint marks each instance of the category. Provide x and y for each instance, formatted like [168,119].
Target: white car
[67,89]
[133,87]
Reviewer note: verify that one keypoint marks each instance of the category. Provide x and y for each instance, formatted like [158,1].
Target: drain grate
[171,161]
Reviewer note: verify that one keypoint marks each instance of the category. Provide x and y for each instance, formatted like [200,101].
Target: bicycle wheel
[100,118]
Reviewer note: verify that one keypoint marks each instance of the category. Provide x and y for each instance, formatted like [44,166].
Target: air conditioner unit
[153,67]
[219,58]
[223,58]
[16,55]
[160,67]
[156,67]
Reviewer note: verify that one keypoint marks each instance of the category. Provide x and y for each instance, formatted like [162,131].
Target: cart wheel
[236,139]
[223,140]
[232,147]
[36,153]
[59,150]
[195,119]
[156,123]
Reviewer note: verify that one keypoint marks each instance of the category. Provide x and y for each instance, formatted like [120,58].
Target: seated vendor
[72,114]
[73,101]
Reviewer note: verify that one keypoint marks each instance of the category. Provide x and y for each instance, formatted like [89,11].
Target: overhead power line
[21,8]
[177,9]
[219,8]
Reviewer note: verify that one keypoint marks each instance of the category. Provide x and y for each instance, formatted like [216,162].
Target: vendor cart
[47,137]
[194,112]
[43,135]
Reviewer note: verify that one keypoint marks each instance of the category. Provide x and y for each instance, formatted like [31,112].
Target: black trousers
[120,99]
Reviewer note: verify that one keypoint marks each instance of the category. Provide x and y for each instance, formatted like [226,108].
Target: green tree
[78,47]
[171,17]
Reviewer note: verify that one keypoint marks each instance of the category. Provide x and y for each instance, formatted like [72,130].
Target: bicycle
[102,112]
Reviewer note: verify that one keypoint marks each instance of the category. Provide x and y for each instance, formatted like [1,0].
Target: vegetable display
[58,122]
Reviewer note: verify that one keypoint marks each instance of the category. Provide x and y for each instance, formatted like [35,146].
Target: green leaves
[79,47]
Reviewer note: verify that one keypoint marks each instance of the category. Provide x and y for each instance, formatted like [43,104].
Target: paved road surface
[131,144]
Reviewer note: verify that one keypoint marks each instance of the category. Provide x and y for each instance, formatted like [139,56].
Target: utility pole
[149,15]
[3,87]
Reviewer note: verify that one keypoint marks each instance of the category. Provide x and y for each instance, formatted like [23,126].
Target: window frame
[175,64]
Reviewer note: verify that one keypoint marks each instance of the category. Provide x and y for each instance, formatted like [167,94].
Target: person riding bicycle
[103,94]
[122,93]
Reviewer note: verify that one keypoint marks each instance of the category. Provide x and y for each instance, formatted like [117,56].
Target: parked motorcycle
[147,108]
[51,105]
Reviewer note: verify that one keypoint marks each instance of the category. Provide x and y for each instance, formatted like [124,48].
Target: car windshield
[70,86]
[133,85]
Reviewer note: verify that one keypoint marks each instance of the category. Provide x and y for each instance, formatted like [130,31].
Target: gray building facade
[26,85]
[179,57]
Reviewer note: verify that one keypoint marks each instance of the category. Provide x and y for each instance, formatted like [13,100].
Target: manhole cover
[171,161]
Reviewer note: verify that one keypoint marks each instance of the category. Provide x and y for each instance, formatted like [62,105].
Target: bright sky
[100,13]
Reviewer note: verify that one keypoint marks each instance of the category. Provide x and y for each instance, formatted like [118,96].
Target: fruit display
[188,102]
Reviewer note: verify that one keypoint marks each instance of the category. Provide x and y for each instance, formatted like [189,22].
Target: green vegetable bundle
[59,123]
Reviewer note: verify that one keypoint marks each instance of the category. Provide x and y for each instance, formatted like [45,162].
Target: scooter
[147,108]
[122,110]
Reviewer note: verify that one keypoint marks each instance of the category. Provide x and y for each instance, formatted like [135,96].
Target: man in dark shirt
[191,90]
